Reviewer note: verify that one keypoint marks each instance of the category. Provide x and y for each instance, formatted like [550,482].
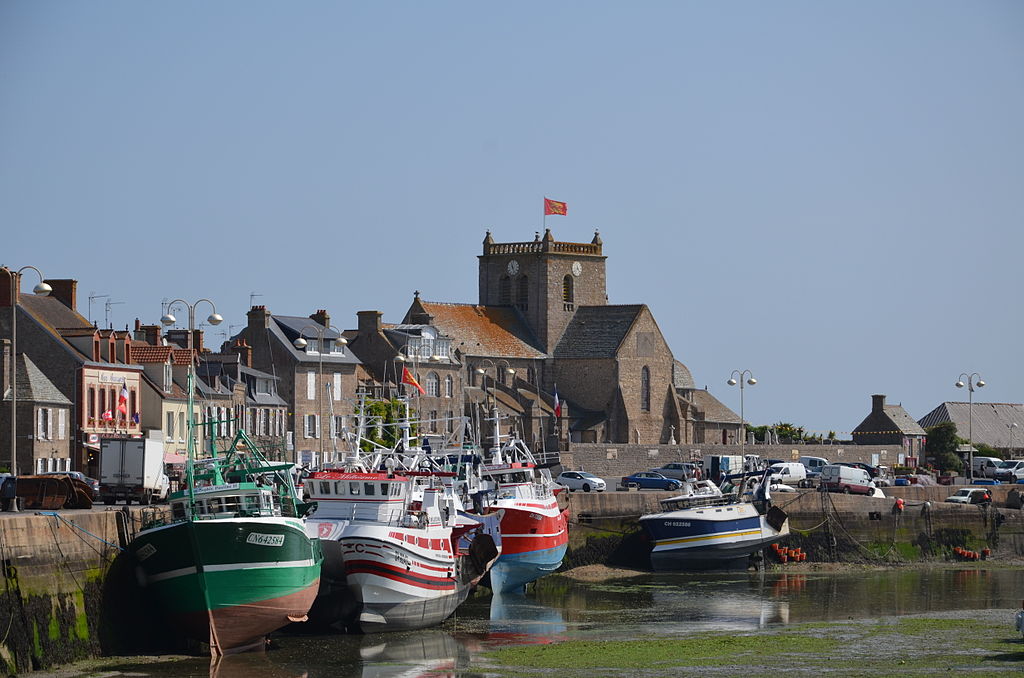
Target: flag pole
[544,221]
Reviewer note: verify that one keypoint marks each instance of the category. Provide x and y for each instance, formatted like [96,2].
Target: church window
[523,296]
[505,291]
[567,292]
[645,389]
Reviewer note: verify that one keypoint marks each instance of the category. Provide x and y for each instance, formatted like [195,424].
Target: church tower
[546,280]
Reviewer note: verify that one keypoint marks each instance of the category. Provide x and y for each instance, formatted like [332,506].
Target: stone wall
[613,461]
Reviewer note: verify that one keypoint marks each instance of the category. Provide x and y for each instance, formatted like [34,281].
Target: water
[644,606]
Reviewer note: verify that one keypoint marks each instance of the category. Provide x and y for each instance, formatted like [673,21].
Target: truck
[132,469]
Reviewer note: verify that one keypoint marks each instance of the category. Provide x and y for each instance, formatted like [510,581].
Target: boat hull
[710,537]
[534,540]
[230,582]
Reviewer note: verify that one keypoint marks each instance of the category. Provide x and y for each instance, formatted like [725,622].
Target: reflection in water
[667,604]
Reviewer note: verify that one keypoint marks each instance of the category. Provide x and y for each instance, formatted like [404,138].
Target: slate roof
[53,313]
[484,330]
[712,407]
[285,329]
[901,421]
[33,386]
[296,324]
[597,331]
[681,377]
[990,421]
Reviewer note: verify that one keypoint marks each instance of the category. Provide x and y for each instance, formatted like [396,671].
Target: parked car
[970,496]
[986,467]
[93,484]
[813,465]
[872,470]
[680,470]
[788,472]
[649,480]
[580,480]
[1012,470]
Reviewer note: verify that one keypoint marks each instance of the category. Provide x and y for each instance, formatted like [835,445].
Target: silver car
[580,480]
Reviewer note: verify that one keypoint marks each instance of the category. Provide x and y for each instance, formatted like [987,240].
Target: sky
[830,195]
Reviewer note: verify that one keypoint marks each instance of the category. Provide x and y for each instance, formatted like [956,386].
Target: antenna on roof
[252,297]
[93,295]
[107,306]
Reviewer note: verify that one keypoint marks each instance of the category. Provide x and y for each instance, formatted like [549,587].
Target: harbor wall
[830,527]
[55,568]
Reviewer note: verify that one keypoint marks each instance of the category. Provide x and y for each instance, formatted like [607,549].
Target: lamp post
[300,343]
[483,372]
[1010,427]
[973,380]
[738,377]
[168,319]
[41,289]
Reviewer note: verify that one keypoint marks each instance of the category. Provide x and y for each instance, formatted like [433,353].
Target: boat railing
[676,503]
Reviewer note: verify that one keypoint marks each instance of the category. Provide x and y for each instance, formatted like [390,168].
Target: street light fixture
[300,343]
[1010,427]
[973,380]
[41,289]
[214,319]
[744,374]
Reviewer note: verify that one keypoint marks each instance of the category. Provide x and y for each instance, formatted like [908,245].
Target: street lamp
[214,319]
[42,289]
[973,380]
[744,374]
[300,343]
[1010,427]
[483,372]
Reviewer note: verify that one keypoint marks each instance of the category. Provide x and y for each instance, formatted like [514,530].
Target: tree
[942,438]
[382,424]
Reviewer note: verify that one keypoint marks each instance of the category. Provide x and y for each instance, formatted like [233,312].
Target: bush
[950,462]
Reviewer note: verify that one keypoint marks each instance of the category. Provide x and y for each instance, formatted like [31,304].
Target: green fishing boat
[231,562]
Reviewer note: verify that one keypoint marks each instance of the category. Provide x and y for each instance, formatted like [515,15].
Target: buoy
[783,557]
[899,504]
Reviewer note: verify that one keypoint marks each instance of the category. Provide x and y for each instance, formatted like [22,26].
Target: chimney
[65,291]
[179,337]
[5,286]
[259,320]
[369,322]
[877,403]
[321,317]
[244,351]
[148,333]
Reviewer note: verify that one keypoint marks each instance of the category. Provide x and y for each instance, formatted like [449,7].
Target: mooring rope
[77,527]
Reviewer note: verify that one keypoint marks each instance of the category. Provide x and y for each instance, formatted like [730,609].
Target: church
[544,345]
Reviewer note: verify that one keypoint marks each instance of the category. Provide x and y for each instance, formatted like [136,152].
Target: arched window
[449,386]
[433,385]
[523,295]
[645,389]
[505,291]
[567,295]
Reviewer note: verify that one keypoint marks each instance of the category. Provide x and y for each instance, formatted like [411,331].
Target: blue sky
[829,194]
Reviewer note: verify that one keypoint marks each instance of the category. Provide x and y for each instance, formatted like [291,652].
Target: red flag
[555,207]
[107,416]
[407,378]
[122,401]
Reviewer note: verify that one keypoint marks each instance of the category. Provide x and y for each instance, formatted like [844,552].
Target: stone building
[44,418]
[318,382]
[543,325]
[890,425]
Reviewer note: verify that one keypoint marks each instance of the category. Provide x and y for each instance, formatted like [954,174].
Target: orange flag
[407,378]
[555,207]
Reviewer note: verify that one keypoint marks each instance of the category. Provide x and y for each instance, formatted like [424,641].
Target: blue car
[649,480]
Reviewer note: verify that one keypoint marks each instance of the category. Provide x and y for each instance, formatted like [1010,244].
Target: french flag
[122,401]
[558,403]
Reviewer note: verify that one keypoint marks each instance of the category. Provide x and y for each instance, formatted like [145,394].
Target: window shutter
[337,386]
[316,418]
[311,385]
[62,423]
[40,432]
[305,425]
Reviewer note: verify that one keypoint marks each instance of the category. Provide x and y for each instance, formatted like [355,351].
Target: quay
[69,594]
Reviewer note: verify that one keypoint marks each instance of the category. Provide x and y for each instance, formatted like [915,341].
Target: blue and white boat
[702,528]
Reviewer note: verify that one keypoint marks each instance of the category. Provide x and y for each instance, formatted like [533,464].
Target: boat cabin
[232,500]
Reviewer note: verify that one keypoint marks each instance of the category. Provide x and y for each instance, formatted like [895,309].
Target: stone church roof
[597,331]
[483,330]
[712,407]
[681,377]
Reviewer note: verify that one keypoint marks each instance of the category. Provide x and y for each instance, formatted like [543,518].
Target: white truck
[132,469]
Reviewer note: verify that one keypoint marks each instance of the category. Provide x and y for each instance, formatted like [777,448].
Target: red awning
[171,458]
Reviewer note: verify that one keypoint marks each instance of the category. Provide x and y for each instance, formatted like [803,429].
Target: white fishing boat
[702,528]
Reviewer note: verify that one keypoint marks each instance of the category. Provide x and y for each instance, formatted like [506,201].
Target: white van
[846,479]
[814,464]
[790,473]
[986,467]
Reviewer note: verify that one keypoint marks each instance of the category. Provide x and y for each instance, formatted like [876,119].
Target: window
[505,291]
[62,424]
[103,401]
[312,426]
[339,426]
[645,389]
[567,292]
[450,422]
[523,296]
[310,385]
[433,386]
[132,407]
[433,421]
[248,420]
[169,431]
[449,386]
[43,431]
[91,411]
[181,426]
[336,389]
